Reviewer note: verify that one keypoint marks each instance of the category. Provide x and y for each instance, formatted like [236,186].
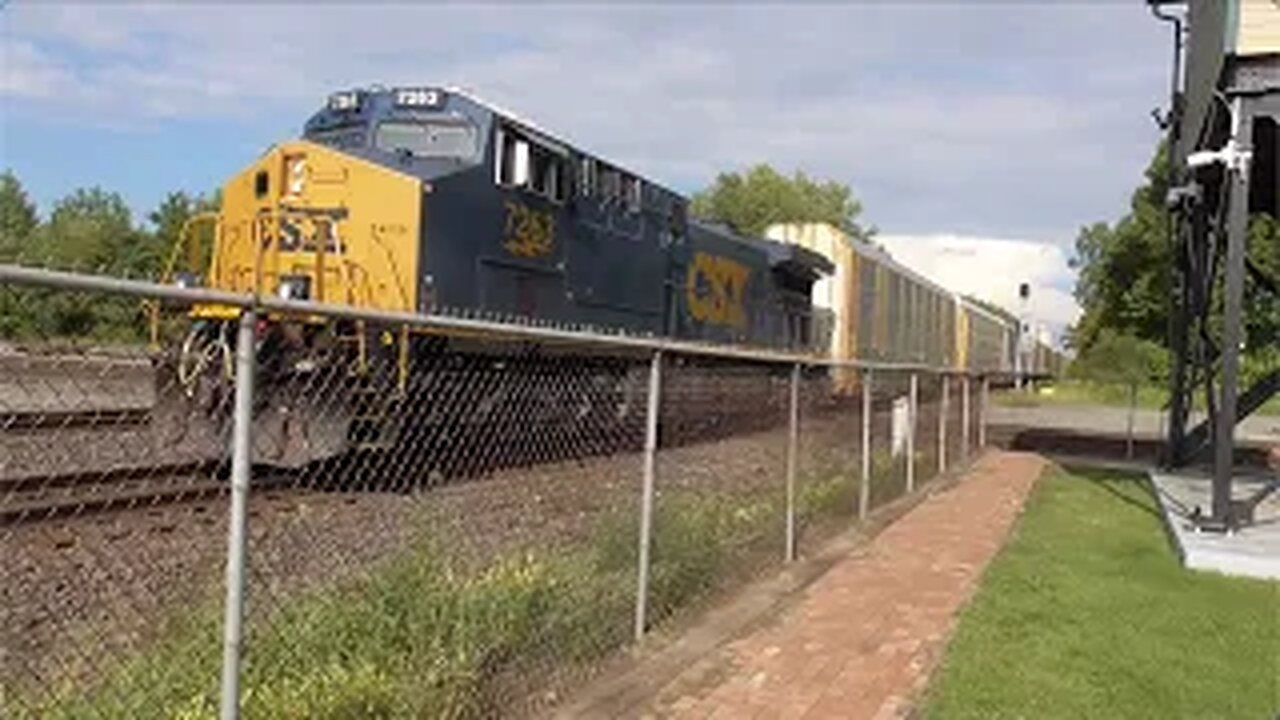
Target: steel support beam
[1232,330]
[1247,403]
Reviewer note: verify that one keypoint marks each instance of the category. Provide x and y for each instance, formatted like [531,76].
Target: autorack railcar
[885,311]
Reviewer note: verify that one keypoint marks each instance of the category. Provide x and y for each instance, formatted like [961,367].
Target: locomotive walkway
[861,640]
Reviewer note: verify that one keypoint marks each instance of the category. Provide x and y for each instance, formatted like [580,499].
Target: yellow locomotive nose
[306,222]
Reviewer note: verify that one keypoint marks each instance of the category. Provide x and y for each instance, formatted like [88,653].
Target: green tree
[168,220]
[752,201]
[18,222]
[1124,269]
[18,217]
[91,230]
[1123,359]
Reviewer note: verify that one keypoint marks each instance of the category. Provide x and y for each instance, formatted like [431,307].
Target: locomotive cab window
[547,177]
[426,139]
[631,193]
[610,181]
[531,166]
[587,177]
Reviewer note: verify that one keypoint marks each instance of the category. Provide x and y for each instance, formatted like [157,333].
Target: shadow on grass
[1133,489]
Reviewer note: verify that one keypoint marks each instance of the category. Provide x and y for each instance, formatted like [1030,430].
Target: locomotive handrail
[194,256]
[42,277]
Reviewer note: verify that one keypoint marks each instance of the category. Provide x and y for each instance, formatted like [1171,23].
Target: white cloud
[27,72]
[992,269]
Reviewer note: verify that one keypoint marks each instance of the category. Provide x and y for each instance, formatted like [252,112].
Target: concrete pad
[1253,551]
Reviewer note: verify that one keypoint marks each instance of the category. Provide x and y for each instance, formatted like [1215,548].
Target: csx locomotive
[429,200]
[421,200]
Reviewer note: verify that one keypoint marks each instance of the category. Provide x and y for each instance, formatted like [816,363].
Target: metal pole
[646,492]
[942,424]
[1232,330]
[1178,307]
[912,407]
[984,398]
[793,438]
[237,528]
[864,490]
[964,418]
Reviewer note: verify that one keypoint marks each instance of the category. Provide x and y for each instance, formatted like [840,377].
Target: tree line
[91,230]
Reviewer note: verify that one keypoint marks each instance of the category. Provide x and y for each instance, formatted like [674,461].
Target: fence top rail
[57,279]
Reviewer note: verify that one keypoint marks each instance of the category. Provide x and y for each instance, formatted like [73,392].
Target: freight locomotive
[429,200]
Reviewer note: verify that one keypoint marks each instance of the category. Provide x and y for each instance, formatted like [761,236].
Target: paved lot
[1114,421]
[861,640]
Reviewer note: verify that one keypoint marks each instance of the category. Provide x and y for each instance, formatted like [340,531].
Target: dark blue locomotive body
[520,225]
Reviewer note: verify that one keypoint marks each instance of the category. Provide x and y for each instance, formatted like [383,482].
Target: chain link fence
[283,510]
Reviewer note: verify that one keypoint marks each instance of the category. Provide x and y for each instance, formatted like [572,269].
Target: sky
[988,132]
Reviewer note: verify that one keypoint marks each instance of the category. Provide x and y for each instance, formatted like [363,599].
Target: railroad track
[41,498]
[63,419]
[44,497]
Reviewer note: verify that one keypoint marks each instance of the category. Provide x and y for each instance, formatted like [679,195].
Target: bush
[1120,359]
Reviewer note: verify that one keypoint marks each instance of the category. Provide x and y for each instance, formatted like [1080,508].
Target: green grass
[1087,613]
[1082,392]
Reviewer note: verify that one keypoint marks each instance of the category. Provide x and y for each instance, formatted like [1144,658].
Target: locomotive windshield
[427,139]
[340,138]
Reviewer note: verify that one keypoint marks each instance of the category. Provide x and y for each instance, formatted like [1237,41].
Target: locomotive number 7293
[528,233]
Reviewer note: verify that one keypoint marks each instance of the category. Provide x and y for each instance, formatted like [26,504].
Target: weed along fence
[418,516]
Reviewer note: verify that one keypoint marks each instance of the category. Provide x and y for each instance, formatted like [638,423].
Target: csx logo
[716,290]
[528,233]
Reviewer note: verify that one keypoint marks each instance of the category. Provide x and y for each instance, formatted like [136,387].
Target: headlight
[294,287]
[418,97]
[296,171]
[349,100]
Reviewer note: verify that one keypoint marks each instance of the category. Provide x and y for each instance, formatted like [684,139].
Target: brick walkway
[861,641]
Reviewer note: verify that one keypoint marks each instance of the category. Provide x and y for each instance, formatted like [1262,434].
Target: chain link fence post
[864,489]
[646,493]
[942,423]
[793,441]
[237,527]
[964,419]
[913,408]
